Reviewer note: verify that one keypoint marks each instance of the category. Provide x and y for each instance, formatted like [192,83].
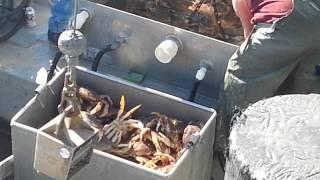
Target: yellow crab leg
[122,106]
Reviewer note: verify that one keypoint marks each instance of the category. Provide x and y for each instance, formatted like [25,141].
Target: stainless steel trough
[6,168]
[196,163]
[6,159]
[5,140]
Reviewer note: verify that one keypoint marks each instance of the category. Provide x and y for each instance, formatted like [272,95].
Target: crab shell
[140,148]
[188,132]
[87,94]
[163,159]
[93,103]
[170,127]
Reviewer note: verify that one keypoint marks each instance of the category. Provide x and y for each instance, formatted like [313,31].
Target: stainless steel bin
[6,159]
[5,139]
[6,168]
[196,163]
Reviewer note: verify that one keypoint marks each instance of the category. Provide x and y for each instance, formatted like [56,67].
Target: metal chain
[76,9]
[69,90]
[71,66]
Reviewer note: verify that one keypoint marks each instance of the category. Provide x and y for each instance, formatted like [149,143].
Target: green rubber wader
[275,59]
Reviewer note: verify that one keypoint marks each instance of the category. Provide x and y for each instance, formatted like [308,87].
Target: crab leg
[109,129]
[107,102]
[129,113]
[133,124]
[97,108]
[108,99]
[86,94]
[117,137]
[105,110]
[165,140]
[154,138]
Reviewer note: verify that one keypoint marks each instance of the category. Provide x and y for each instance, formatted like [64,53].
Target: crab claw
[113,132]
[119,127]
[91,120]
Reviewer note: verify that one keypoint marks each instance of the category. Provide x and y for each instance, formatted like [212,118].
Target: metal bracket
[38,91]
[58,159]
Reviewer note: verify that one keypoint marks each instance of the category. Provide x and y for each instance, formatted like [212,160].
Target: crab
[147,147]
[152,157]
[97,105]
[121,125]
[188,132]
[140,150]
[160,160]
[170,127]
[161,143]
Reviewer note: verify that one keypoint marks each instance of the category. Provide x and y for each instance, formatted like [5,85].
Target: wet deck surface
[21,58]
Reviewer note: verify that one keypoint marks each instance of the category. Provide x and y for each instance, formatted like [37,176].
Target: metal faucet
[204,66]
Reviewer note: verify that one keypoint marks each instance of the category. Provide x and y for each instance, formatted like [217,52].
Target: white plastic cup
[166,51]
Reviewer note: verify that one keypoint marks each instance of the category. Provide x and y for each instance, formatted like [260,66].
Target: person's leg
[264,61]
[255,70]
[258,68]
[304,79]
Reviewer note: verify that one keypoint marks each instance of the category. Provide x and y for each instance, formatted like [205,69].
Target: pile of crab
[155,141]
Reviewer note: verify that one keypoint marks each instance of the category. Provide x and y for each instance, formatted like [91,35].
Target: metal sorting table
[196,163]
